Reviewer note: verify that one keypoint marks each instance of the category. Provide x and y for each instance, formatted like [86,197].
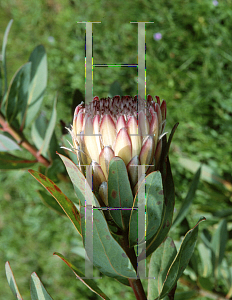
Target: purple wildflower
[157,36]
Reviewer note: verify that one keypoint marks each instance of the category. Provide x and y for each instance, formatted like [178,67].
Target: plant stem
[6,127]
[138,290]
[135,284]
[171,294]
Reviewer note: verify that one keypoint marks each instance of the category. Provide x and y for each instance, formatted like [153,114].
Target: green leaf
[229,294]
[226,275]
[181,260]
[38,130]
[38,291]
[115,89]
[7,144]
[207,173]
[190,272]
[168,144]
[65,203]
[168,208]
[160,263]
[188,200]
[38,83]
[206,260]
[11,281]
[4,53]
[18,93]
[54,147]
[38,133]
[9,161]
[193,267]
[78,180]
[108,256]
[218,245]
[50,129]
[123,280]
[186,295]
[229,276]
[224,213]
[154,202]
[90,283]
[50,202]
[206,237]
[119,192]
[206,283]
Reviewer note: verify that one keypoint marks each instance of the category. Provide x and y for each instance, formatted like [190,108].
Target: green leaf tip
[38,291]
[11,281]
[65,203]
[181,260]
[89,282]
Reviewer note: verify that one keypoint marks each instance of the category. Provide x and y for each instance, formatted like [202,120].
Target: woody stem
[18,136]
[135,284]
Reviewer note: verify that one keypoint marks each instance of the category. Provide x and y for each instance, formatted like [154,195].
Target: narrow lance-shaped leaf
[206,260]
[79,182]
[119,192]
[38,291]
[185,295]
[160,262]
[170,140]
[38,130]
[188,200]
[90,283]
[38,84]
[49,131]
[66,204]
[229,294]
[4,53]
[53,147]
[12,282]
[207,173]
[17,92]
[218,245]
[168,207]
[206,237]
[7,144]
[154,201]
[9,161]
[226,275]
[181,260]
[51,202]
[224,213]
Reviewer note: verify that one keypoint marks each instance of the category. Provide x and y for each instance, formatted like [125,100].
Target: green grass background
[190,67]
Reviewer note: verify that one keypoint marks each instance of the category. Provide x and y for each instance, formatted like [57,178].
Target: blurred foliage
[190,67]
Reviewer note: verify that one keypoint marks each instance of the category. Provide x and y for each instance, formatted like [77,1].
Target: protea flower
[130,128]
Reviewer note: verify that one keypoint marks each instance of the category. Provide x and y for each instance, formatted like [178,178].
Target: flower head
[130,128]
[157,36]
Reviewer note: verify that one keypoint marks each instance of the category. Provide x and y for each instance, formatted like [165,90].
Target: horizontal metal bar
[115,65]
